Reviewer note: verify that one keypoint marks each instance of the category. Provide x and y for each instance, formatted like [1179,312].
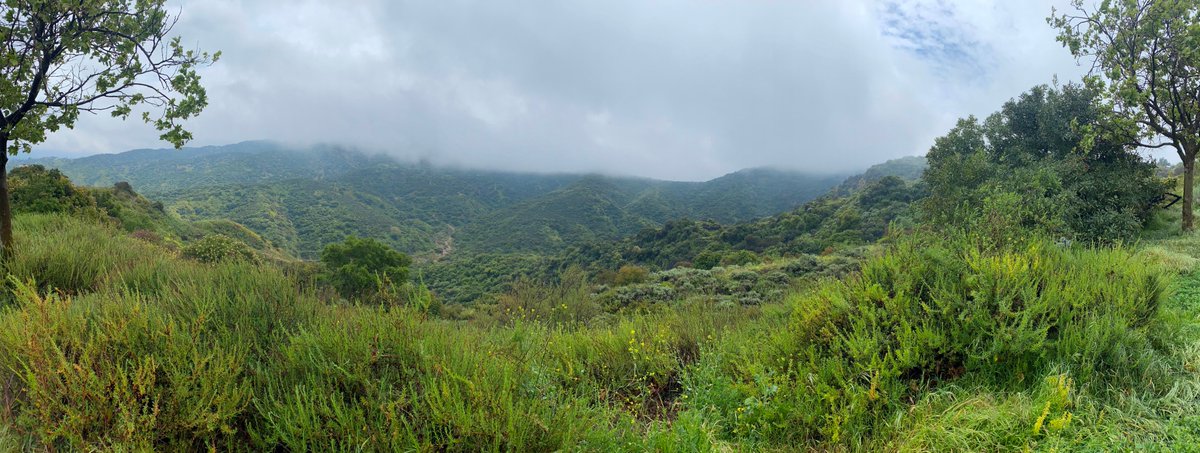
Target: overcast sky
[668,89]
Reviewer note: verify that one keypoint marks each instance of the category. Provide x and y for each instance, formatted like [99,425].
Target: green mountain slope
[909,168]
[590,209]
[38,190]
[154,171]
[856,212]
[597,208]
[302,199]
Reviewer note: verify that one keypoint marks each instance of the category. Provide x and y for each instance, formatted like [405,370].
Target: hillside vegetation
[1029,284]
[851,215]
[36,189]
[304,199]
[1087,348]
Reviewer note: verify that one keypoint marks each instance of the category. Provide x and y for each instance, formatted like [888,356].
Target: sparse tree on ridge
[1146,53]
[59,59]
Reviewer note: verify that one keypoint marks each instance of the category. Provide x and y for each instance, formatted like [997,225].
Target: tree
[62,58]
[1148,51]
[356,266]
[1038,164]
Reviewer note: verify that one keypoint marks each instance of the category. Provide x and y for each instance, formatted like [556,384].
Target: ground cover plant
[936,343]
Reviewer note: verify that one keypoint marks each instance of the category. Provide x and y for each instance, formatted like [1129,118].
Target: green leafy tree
[739,258]
[356,267]
[63,58]
[1037,164]
[1148,52]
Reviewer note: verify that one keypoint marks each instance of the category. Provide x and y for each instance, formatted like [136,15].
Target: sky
[671,89]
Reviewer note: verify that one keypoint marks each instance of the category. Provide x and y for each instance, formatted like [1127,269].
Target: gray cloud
[669,89]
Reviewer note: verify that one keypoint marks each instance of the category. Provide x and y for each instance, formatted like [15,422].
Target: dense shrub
[932,311]
[474,277]
[630,274]
[361,267]
[707,259]
[159,353]
[567,302]
[122,347]
[73,255]
[736,285]
[34,188]
[216,248]
[143,382]
[739,258]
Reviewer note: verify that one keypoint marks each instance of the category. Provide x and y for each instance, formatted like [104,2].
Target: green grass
[111,343]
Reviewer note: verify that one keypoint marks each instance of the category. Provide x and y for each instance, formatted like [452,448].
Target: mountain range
[303,198]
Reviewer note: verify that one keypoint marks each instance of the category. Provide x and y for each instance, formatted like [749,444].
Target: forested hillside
[304,199]
[155,171]
[853,214]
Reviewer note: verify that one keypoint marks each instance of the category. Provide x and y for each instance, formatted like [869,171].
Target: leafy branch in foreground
[59,59]
[1146,51]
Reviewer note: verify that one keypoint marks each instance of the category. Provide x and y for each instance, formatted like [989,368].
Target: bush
[802,265]
[707,259]
[122,347]
[933,311]
[630,274]
[359,268]
[637,296]
[739,258]
[218,248]
[33,188]
[147,236]
[568,302]
[142,382]
[72,255]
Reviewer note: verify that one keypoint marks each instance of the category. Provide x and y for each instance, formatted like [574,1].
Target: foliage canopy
[1144,56]
[1034,165]
[357,266]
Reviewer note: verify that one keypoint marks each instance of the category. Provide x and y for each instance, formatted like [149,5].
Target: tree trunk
[1189,182]
[6,233]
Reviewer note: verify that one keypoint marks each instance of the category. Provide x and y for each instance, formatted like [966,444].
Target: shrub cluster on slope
[36,189]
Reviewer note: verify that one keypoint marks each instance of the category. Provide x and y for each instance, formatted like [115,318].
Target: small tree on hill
[62,58]
[356,267]
[1149,52]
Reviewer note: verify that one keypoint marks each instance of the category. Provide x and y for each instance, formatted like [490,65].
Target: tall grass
[110,343]
[859,356]
[113,343]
